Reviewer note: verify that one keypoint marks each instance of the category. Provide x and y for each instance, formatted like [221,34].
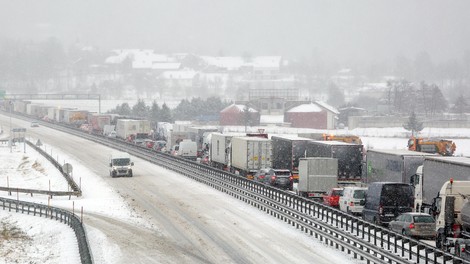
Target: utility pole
[11,129]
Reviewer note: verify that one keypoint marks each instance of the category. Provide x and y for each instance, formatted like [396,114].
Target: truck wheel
[130,174]
[439,241]
[347,210]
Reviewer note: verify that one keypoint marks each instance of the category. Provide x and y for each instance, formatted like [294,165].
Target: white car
[112,134]
[352,200]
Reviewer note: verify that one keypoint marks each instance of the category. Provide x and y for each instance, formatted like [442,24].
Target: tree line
[194,109]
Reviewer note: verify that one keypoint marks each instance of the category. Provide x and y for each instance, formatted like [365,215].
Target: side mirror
[132,163]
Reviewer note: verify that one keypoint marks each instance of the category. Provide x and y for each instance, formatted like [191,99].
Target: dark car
[275,177]
[417,225]
[387,200]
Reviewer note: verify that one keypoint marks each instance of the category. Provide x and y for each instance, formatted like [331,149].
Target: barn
[307,116]
[234,115]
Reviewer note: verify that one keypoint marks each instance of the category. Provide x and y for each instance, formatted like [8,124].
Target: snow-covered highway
[162,217]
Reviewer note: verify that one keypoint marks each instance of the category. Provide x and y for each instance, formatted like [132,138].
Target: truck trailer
[392,165]
[98,122]
[316,177]
[250,154]
[220,150]
[349,157]
[127,127]
[287,150]
[197,133]
[434,172]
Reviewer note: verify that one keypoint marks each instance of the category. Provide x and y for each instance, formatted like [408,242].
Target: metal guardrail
[31,191]
[54,213]
[353,235]
[57,214]
[76,189]
[70,181]
[348,233]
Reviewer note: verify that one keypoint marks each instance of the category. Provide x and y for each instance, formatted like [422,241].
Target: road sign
[67,167]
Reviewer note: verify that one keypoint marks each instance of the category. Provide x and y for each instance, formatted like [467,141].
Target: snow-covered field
[29,239]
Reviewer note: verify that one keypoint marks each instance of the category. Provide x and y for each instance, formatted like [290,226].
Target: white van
[352,200]
[120,164]
[188,149]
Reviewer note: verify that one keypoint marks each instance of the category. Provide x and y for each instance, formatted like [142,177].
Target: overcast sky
[338,29]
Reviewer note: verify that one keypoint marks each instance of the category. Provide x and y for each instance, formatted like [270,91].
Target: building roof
[327,107]
[305,108]
[235,63]
[238,108]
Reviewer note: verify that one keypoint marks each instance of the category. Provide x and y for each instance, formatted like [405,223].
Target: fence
[57,214]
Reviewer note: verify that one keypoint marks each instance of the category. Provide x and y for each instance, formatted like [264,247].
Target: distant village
[274,90]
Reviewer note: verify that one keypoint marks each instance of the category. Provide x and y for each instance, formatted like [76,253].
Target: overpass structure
[55,97]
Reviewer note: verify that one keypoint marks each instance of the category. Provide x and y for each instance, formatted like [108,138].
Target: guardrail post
[388,240]
[375,235]
[402,246]
[409,247]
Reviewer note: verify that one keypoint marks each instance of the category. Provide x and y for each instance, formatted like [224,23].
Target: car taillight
[351,203]
[261,176]
[456,229]
[273,178]
[291,178]
[412,225]
[381,209]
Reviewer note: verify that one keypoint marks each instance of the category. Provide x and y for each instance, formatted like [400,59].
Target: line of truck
[441,188]
[245,155]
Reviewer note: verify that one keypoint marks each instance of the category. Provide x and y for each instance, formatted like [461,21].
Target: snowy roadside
[31,170]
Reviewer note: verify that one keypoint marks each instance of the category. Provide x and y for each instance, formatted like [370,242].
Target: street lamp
[11,129]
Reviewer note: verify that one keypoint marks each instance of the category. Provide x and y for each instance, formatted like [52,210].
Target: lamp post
[11,130]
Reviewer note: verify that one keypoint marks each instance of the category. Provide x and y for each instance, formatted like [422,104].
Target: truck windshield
[121,162]
[397,195]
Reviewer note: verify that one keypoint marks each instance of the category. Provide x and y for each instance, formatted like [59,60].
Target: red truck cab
[332,197]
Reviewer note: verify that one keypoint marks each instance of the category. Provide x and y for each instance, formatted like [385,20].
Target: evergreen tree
[165,114]
[438,103]
[183,111]
[247,117]
[335,95]
[460,105]
[140,109]
[125,109]
[154,113]
[413,124]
